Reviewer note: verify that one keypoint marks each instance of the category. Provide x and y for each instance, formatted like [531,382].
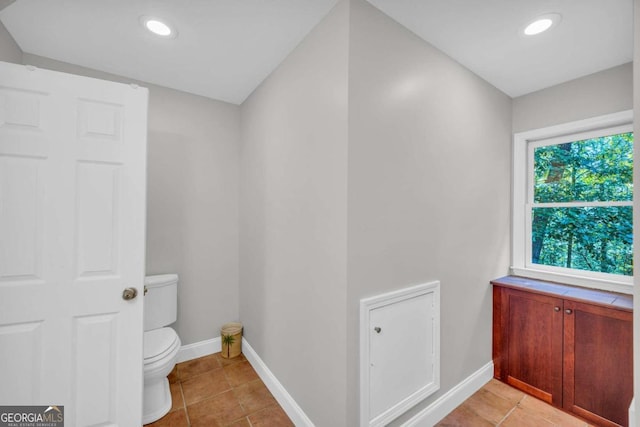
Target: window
[573,203]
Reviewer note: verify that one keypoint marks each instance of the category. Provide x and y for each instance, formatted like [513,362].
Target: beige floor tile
[240,373]
[220,410]
[520,418]
[173,375]
[533,406]
[464,416]
[505,391]
[254,396]
[224,362]
[489,406]
[244,422]
[204,386]
[177,402]
[272,416]
[172,419]
[198,366]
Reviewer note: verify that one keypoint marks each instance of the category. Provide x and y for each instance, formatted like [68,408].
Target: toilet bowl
[160,352]
[161,344]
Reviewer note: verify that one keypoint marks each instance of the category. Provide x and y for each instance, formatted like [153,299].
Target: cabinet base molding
[533,391]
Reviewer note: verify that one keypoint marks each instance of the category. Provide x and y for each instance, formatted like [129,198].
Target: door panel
[535,345]
[95,337]
[72,218]
[21,219]
[97,211]
[28,338]
[598,365]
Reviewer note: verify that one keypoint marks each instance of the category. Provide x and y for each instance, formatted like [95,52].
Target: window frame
[522,197]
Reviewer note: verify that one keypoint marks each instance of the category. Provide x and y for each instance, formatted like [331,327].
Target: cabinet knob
[377,329]
[568,311]
[556,308]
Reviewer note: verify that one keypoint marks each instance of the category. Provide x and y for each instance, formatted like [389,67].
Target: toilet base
[157,400]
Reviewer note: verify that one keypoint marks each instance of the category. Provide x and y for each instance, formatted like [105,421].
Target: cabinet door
[534,345]
[598,363]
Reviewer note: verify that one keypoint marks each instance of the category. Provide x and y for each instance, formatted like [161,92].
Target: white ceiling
[226,48]
[486,37]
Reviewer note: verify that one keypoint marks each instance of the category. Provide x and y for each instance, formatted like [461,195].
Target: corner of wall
[636,215]
[293,220]
[9,49]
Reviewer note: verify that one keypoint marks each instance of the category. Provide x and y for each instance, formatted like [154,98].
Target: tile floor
[216,392]
[497,404]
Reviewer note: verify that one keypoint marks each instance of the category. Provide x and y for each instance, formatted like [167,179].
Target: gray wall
[293,220]
[429,187]
[9,50]
[413,174]
[192,200]
[192,213]
[608,91]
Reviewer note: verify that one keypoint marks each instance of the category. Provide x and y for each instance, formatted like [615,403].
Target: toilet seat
[159,343]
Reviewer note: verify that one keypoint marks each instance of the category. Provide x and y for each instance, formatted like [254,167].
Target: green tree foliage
[595,238]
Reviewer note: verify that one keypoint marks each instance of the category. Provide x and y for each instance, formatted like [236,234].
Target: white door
[72,232]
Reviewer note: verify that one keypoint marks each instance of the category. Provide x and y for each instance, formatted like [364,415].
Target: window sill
[585,282]
[569,292]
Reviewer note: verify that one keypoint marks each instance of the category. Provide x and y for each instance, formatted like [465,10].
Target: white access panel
[400,351]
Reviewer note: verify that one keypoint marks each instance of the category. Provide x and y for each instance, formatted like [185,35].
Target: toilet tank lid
[160,280]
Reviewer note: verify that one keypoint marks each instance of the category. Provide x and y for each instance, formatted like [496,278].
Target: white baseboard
[446,403]
[214,345]
[199,349]
[297,415]
[632,413]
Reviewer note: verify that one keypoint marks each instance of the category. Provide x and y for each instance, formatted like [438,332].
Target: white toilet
[161,344]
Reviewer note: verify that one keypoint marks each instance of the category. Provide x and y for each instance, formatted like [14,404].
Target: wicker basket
[231,336]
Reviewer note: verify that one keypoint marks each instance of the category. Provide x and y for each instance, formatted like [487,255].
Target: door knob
[129,294]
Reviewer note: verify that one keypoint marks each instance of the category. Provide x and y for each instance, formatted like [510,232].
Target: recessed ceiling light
[158,27]
[542,24]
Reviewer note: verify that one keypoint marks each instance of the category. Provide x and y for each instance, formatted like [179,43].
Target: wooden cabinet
[568,346]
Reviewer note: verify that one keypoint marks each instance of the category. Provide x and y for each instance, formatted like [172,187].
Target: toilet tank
[161,301]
